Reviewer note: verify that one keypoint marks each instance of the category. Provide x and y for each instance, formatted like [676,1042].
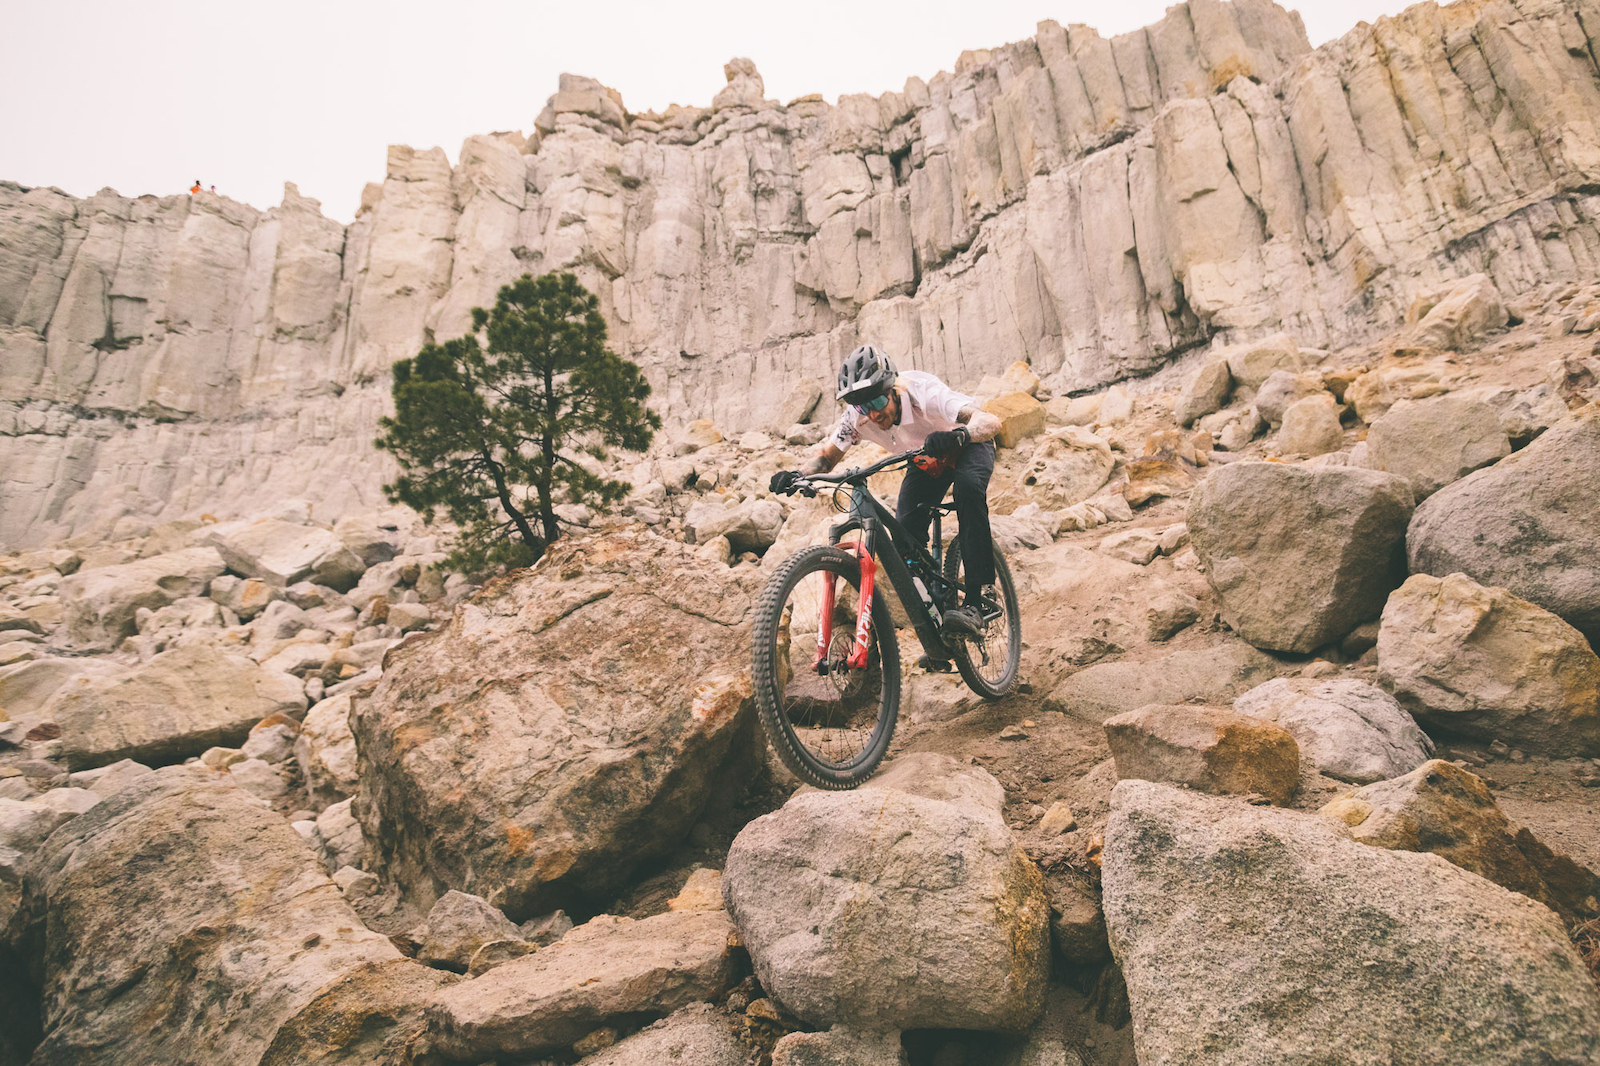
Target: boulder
[367,540]
[1251,935]
[840,1046]
[696,1035]
[568,724]
[799,405]
[1077,923]
[1205,391]
[701,433]
[1529,523]
[1311,427]
[244,596]
[457,926]
[1116,405]
[1215,674]
[1282,389]
[1443,809]
[282,553]
[236,932]
[750,526]
[1251,364]
[1021,416]
[1524,413]
[1484,663]
[1213,749]
[1299,555]
[326,752]
[27,687]
[885,908]
[100,603]
[178,704]
[368,1015]
[1460,314]
[1138,546]
[339,839]
[1348,729]
[1436,441]
[1069,465]
[607,970]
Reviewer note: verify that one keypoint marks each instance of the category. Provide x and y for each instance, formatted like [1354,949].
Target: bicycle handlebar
[853,476]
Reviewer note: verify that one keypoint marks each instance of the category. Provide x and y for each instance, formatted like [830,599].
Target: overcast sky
[145,97]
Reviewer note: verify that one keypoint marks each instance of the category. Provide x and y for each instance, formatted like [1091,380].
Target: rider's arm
[981,425]
[827,456]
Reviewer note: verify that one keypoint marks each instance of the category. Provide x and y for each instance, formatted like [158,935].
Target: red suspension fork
[861,648]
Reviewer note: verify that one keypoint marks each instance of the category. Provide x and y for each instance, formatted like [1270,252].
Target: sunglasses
[877,403]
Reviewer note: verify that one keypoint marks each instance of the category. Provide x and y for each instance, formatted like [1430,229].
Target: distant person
[195,187]
[213,188]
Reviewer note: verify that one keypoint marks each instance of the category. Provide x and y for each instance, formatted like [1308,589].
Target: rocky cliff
[1097,207]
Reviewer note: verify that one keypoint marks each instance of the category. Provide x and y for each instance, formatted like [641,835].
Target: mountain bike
[826,664]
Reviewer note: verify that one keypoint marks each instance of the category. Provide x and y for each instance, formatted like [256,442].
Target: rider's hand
[783,482]
[943,442]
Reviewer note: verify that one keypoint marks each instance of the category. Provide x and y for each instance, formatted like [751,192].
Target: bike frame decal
[869,568]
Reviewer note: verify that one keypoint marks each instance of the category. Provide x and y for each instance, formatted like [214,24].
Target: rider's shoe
[990,605]
[932,665]
[964,622]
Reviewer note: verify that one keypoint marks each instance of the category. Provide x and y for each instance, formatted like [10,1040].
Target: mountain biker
[909,411]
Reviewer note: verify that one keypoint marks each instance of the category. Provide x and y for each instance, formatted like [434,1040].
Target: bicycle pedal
[934,666]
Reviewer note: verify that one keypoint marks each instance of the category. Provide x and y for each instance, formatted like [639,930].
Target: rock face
[1093,205]
[237,929]
[1484,663]
[566,726]
[1530,523]
[1248,934]
[1348,729]
[177,705]
[1443,809]
[1299,555]
[887,909]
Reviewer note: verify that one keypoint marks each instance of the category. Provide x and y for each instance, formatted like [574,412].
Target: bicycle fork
[860,649]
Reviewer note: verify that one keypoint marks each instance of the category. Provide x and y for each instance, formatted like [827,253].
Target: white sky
[146,96]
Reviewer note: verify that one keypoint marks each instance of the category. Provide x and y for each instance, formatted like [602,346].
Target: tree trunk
[503,491]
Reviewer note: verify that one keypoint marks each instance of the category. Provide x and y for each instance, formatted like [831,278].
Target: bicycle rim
[990,667]
[830,726]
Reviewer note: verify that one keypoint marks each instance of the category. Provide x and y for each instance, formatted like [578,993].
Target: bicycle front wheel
[830,723]
[989,667]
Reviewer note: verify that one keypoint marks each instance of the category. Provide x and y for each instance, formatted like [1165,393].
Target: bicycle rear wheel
[830,724]
[990,667]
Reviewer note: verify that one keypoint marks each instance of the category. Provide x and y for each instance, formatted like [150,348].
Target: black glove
[943,442]
[783,481]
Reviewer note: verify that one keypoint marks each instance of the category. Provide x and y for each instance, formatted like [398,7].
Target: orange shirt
[196,188]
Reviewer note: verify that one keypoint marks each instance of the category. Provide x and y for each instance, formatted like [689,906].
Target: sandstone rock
[1348,729]
[1252,364]
[100,603]
[805,435]
[702,433]
[749,526]
[1193,884]
[702,892]
[1169,611]
[1209,748]
[282,553]
[697,1034]
[369,1014]
[1311,427]
[326,752]
[258,778]
[1077,923]
[844,929]
[1462,314]
[271,740]
[609,968]
[245,597]
[407,617]
[26,824]
[457,926]
[177,705]
[1298,556]
[1154,478]
[1484,663]
[1526,413]
[1239,428]
[1215,674]
[519,708]
[1115,406]
[366,539]
[1530,523]
[110,779]
[1074,410]
[1204,392]
[1441,808]
[1282,389]
[340,840]
[1021,416]
[1068,466]
[223,880]
[1137,546]
[498,953]
[27,687]
[799,405]
[840,1047]
[1434,442]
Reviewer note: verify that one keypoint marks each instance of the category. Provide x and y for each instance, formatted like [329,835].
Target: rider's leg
[973,470]
[919,494]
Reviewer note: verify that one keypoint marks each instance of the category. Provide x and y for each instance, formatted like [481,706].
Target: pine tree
[491,434]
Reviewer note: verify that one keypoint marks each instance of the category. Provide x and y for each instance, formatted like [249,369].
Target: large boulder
[1348,729]
[1529,523]
[235,929]
[1434,442]
[26,688]
[1299,555]
[283,553]
[1458,314]
[568,725]
[326,751]
[1484,663]
[1441,808]
[1206,391]
[100,603]
[608,970]
[1214,674]
[751,526]
[886,908]
[1213,749]
[369,1015]
[1069,465]
[178,704]
[697,1035]
[1251,935]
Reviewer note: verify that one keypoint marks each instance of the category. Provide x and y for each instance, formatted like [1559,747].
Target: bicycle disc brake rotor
[847,683]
